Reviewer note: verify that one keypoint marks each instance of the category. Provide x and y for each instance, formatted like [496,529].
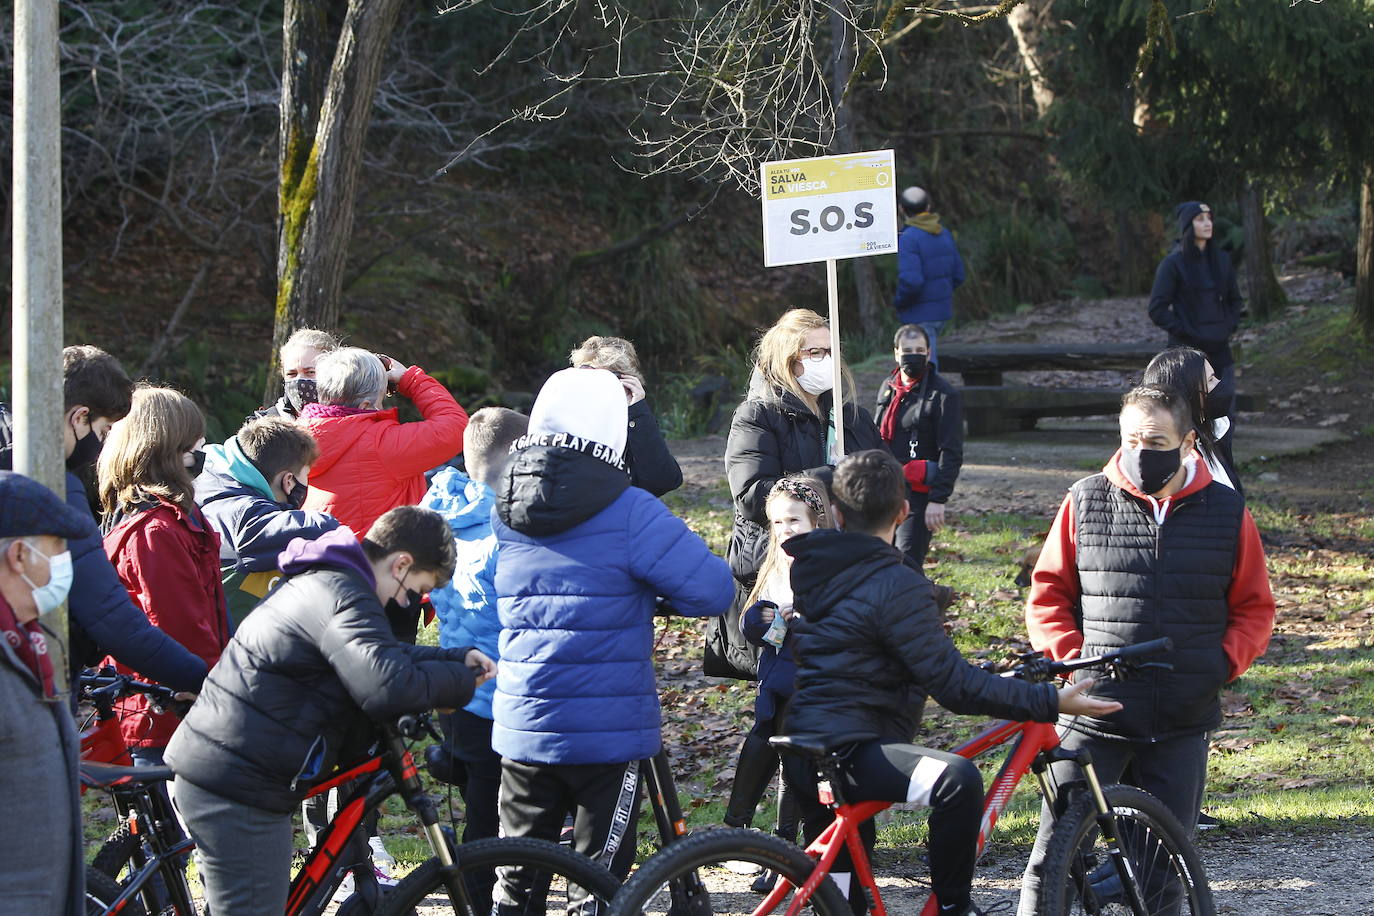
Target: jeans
[243,853]
[932,329]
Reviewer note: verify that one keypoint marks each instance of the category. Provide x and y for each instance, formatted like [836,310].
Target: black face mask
[405,621]
[913,364]
[296,498]
[1217,402]
[1148,469]
[86,452]
[197,464]
[301,391]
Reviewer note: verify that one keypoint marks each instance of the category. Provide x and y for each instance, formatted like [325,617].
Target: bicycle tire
[102,890]
[424,887]
[116,851]
[656,887]
[1078,877]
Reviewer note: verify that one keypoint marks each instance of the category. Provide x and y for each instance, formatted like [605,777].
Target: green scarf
[926,222]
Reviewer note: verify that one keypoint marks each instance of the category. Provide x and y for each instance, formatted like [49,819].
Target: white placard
[829,208]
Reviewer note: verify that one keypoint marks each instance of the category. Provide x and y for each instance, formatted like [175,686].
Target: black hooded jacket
[871,646]
[773,435]
[1196,299]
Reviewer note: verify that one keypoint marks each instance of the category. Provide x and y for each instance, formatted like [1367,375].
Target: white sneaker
[740,867]
[379,854]
[345,889]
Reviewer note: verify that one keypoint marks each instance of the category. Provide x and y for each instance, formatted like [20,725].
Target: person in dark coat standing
[870,646]
[42,870]
[101,619]
[652,466]
[929,268]
[294,693]
[1151,547]
[786,425]
[1195,296]
[921,419]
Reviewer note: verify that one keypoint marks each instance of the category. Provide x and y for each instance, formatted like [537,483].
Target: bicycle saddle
[103,775]
[816,746]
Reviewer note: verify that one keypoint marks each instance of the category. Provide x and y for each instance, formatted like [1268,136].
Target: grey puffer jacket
[296,690]
[871,646]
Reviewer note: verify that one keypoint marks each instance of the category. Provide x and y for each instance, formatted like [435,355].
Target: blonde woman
[652,465]
[166,555]
[786,426]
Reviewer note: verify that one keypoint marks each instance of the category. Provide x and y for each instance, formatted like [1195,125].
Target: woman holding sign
[785,426]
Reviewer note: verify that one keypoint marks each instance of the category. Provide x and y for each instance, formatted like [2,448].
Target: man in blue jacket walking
[582,556]
[929,268]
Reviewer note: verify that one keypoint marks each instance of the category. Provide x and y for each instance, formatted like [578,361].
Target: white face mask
[47,597]
[817,376]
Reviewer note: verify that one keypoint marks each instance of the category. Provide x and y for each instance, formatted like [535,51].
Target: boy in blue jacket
[251,492]
[467,609]
[583,555]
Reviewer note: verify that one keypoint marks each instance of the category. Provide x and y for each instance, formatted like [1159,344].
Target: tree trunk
[1025,21]
[842,60]
[324,121]
[1266,296]
[1364,256]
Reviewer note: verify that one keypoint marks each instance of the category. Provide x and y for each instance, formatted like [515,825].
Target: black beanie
[1185,212]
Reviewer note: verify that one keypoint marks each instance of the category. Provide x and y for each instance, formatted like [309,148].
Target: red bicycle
[140,869]
[1115,849]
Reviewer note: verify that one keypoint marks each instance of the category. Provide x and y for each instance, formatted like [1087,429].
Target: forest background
[477,189]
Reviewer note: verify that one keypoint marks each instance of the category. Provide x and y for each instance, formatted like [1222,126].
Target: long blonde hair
[806,490]
[141,460]
[778,349]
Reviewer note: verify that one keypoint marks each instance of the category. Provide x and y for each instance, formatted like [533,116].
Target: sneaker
[384,878]
[565,836]
[379,854]
[741,867]
[345,889]
[1205,821]
[764,882]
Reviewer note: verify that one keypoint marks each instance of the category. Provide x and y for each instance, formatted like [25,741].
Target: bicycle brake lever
[409,726]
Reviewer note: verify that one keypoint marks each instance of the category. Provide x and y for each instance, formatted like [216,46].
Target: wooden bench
[992,407]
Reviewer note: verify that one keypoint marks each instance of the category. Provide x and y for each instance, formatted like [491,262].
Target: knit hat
[585,402]
[29,508]
[1186,211]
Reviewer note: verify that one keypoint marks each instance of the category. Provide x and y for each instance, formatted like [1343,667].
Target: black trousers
[535,799]
[900,772]
[754,770]
[1173,771]
[913,537]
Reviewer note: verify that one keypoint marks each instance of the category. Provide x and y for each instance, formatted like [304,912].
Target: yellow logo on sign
[826,175]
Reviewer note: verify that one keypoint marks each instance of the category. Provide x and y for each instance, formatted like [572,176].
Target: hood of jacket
[830,562]
[1201,477]
[228,460]
[337,549]
[926,222]
[555,481]
[463,502]
[337,435]
[760,390]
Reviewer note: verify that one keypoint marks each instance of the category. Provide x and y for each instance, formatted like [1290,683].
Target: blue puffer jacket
[467,605]
[928,271]
[583,554]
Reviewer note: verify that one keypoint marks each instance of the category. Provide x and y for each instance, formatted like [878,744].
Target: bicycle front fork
[1106,822]
[441,843]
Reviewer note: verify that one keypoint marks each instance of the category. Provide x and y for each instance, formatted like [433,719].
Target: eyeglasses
[814,354]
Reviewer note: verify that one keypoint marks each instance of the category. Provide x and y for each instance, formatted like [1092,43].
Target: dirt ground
[1321,464]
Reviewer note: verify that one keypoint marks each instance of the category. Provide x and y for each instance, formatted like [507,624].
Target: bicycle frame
[1031,740]
[147,811]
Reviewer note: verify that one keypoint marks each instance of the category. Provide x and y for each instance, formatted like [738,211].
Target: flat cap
[29,508]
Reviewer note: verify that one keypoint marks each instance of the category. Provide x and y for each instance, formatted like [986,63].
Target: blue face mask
[50,596]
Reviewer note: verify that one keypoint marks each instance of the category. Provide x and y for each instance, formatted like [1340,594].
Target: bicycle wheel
[662,885]
[115,853]
[102,890]
[558,878]
[1080,877]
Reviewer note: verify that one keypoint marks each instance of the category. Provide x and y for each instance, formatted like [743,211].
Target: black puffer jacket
[293,693]
[652,466]
[929,427]
[871,646]
[771,436]
[1196,299]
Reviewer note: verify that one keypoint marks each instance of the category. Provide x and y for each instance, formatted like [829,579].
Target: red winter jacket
[370,463]
[1054,588]
[168,560]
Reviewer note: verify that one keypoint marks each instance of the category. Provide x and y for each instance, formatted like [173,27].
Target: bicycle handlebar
[1036,667]
[106,684]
